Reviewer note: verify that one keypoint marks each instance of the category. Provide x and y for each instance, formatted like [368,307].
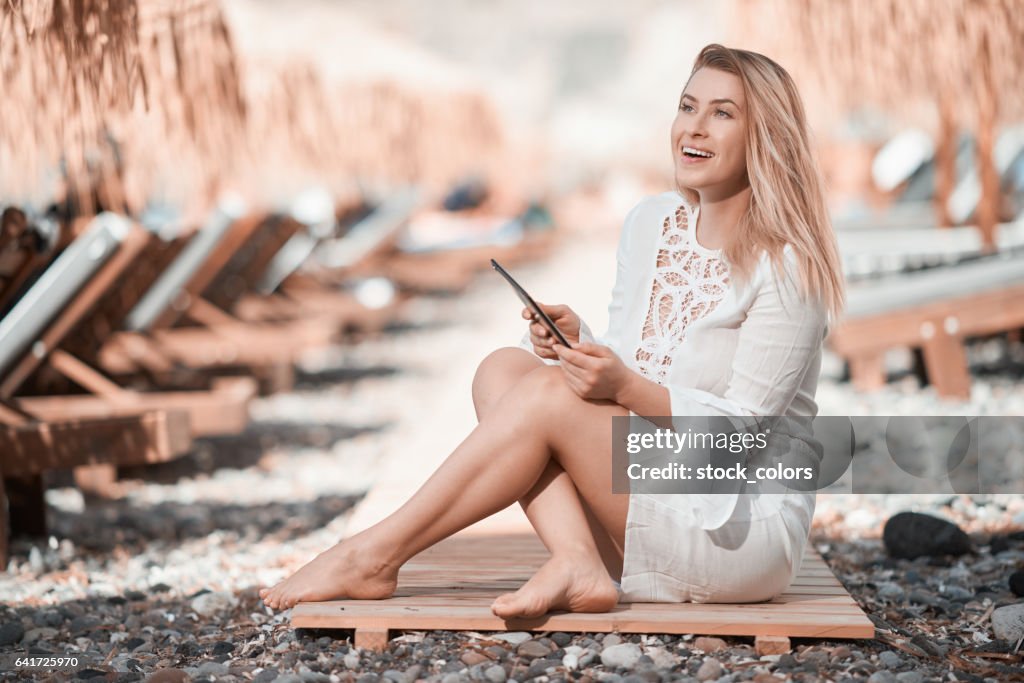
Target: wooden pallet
[452,585]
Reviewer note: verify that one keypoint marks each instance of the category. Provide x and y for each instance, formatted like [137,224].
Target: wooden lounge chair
[176,323]
[450,268]
[934,310]
[30,335]
[874,253]
[288,289]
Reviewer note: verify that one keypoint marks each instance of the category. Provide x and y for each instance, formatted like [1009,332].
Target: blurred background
[244,254]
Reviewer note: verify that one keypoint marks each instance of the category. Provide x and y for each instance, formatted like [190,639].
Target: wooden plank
[245,344]
[815,606]
[150,437]
[222,410]
[771,645]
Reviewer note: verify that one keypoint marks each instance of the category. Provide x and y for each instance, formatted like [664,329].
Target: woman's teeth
[690,151]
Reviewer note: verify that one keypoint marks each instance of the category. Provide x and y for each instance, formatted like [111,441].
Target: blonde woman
[721,302]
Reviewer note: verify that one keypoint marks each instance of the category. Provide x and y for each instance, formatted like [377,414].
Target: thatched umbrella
[337,102]
[953,61]
[95,91]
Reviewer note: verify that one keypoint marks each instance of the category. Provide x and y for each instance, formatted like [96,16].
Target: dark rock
[1016,582]
[51,618]
[160,588]
[222,648]
[11,633]
[913,534]
[538,667]
[561,639]
[266,676]
[135,596]
[998,544]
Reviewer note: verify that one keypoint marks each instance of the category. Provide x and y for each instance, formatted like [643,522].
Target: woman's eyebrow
[724,99]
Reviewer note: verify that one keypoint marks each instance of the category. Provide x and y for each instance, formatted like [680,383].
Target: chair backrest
[314,210]
[180,272]
[369,234]
[61,282]
[249,262]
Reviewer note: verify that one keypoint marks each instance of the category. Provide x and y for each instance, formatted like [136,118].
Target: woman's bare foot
[347,570]
[561,584]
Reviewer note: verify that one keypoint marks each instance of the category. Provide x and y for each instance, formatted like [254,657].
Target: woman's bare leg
[554,492]
[497,464]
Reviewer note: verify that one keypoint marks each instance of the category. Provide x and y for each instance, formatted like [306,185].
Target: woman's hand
[593,371]
[567,322]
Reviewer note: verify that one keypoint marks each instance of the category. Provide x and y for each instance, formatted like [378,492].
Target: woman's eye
[684,107]
[722,111]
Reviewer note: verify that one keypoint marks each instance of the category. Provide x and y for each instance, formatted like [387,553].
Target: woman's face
[711,118]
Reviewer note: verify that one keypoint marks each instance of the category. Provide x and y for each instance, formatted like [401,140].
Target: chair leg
[27,505]
[867,371]
[946,361]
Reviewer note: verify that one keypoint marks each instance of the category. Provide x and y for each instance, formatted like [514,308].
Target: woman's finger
[571,380]
[539,330]
[574,357]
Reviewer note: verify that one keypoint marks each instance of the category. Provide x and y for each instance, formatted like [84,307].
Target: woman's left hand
[593,371]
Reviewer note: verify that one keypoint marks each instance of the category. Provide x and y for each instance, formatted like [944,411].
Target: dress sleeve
[615,308]
[778,341]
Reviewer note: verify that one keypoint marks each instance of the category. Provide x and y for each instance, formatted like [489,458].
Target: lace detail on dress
[687,286]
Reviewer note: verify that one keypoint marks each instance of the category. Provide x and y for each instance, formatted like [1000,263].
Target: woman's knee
[545,392]
[498,371]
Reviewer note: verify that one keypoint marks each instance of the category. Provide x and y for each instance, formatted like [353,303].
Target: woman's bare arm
[646,398]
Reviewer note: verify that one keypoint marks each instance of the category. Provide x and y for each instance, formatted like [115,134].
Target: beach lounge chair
[934,311]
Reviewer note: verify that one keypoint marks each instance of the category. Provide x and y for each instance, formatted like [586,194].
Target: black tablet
[528,301]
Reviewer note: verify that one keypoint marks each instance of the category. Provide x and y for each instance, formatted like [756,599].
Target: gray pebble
[266,676]
[454,678]
[882,676]
[499,653]
[533,649]
[288,678]
[621,655]
[890,591]
[611,639]
[396,676]
[213,669]
[1008,622]
[889,659]
[495,674]
[910,677]
[514,637]
[711,669]
[954,592]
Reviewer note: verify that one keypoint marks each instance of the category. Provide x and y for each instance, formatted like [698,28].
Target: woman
[720,305]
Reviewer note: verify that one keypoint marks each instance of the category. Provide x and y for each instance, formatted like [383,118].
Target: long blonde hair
[787,202]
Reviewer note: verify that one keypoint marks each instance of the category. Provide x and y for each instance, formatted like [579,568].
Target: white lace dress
[689,282]
[721,350]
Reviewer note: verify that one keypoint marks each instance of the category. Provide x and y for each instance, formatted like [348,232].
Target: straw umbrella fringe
[72,72]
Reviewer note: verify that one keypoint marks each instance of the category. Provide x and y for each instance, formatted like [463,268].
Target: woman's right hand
[567,322]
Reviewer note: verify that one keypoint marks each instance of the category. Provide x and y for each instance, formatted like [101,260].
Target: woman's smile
[695,155]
